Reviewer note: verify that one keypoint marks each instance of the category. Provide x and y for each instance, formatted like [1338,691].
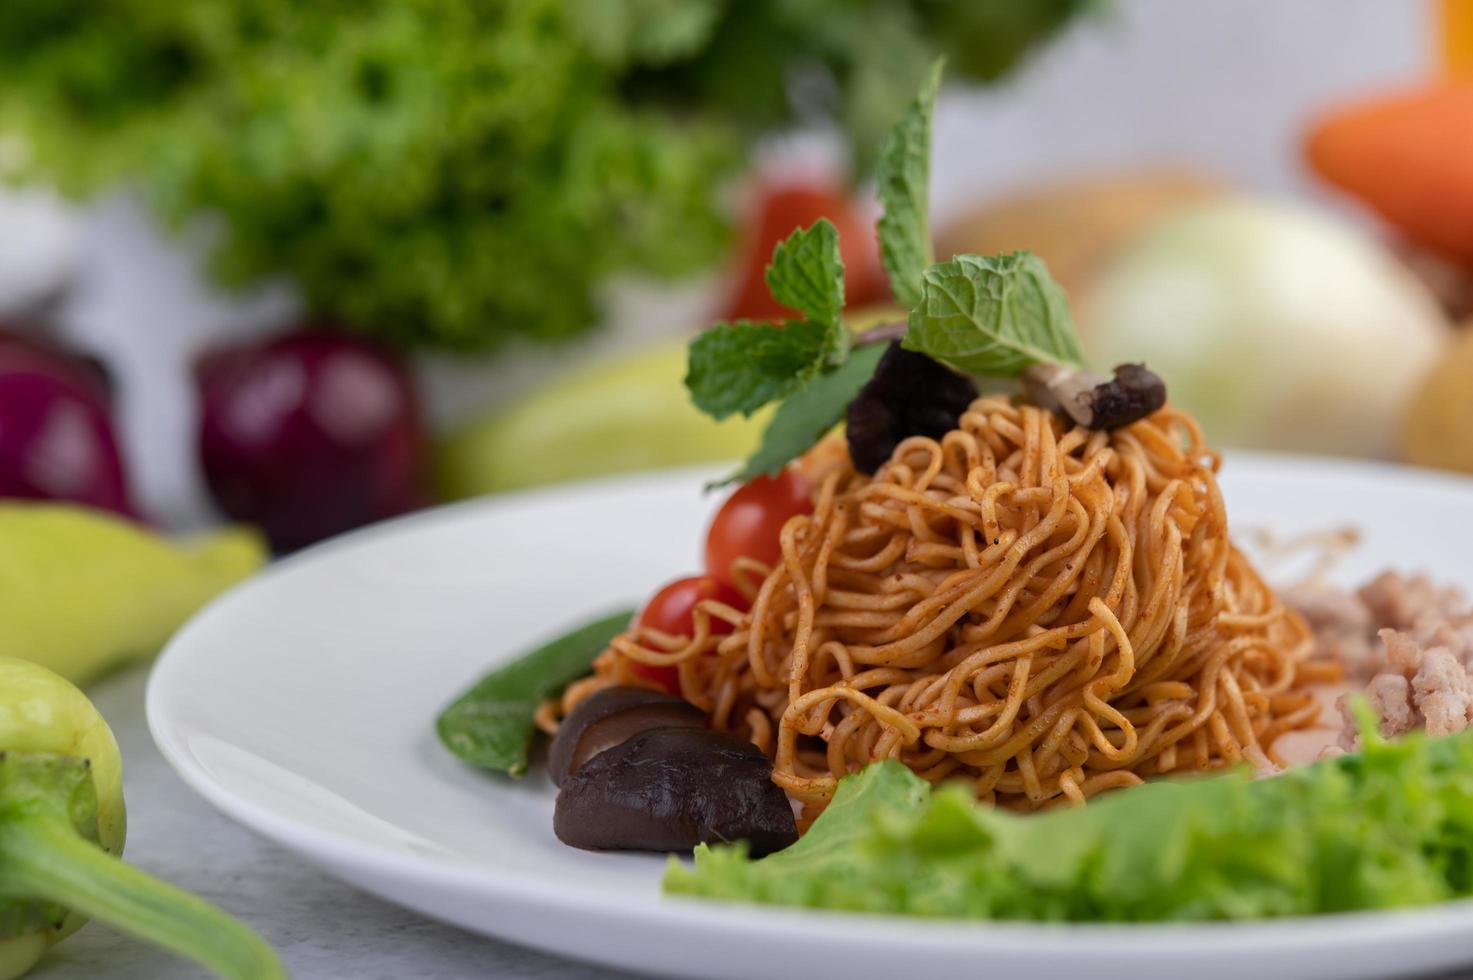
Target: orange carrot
[1410,158]
[1456,24]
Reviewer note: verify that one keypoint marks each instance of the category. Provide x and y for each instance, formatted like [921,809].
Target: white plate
[302,704]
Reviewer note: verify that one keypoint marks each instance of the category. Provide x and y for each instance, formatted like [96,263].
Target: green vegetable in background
[627,414]
[461,173]
[1388,828]
[62,826]
[491,725]
[82,591]
[994,316]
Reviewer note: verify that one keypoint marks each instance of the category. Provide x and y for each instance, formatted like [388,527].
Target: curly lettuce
[458,174]
[1388,828]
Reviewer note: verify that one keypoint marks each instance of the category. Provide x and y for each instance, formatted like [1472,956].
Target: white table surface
[323,929]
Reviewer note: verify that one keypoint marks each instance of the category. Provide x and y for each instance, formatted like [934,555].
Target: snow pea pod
[62,826]
[491,725]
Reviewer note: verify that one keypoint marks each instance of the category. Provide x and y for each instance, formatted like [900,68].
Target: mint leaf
[809,413]
[739,367]
[807,275]
[903,173]
[993,316]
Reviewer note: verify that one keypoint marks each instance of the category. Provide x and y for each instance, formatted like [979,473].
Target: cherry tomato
[750,523]
[780,208]
[671,611]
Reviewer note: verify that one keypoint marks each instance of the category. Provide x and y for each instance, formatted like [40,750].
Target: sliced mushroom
[669,789]
[909,395]
[1092,400]
[1131,395]
[608,717]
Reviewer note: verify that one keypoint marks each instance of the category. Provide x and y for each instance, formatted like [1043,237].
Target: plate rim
[1145,941]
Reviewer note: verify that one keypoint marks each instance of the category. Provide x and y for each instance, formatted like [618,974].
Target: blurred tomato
[780,208]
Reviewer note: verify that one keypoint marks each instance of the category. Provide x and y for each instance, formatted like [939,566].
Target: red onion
[310,434]
[57,440]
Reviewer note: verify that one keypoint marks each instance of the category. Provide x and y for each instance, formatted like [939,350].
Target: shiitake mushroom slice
[669,789]
[909,395]
[608,717]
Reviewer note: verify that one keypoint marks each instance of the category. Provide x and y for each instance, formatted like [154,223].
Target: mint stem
[882,334]
[46,860]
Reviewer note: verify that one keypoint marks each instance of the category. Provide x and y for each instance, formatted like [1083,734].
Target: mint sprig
[994,316]
[903,176]
[739,367]
[808,415]
[807,274]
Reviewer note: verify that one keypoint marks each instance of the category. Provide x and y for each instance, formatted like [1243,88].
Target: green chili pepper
[62,826]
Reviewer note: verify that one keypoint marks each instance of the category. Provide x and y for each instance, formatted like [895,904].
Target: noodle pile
[1045,611]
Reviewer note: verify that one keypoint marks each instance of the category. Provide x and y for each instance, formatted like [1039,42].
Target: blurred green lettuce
[1390,827]
[457,173]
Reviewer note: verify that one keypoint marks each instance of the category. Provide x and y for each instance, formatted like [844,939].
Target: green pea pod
[62,826]
[491,725]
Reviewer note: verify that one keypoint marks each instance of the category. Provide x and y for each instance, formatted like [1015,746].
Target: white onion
[1278,326]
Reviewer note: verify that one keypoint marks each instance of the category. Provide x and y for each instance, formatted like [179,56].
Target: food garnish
[1093,401]
[62,826]
[993,316]
[491,725]
[1387,828]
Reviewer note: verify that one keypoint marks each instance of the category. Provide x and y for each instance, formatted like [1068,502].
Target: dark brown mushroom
[909,395]
[669,789]
[1094,401]
[608,717]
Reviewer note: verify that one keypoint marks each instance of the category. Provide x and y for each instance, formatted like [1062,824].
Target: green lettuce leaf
[1390,827]
[622,33]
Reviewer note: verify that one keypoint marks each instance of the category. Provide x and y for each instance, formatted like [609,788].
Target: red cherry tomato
[750,523]
[782,207]
[671,611]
